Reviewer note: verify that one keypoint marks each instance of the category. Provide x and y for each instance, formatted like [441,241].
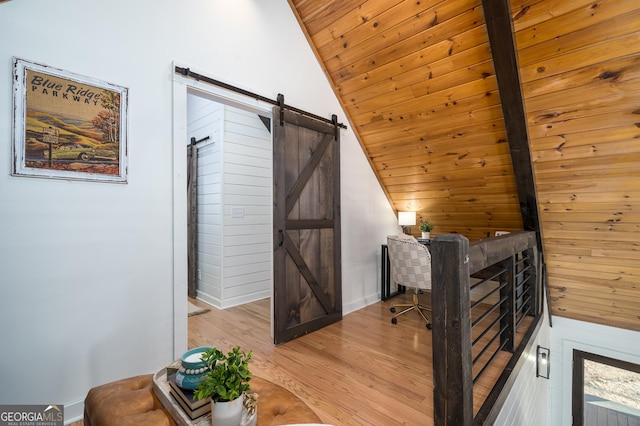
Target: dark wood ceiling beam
[501,38]
[497,14]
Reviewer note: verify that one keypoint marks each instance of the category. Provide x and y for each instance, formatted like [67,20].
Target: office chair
[410,267]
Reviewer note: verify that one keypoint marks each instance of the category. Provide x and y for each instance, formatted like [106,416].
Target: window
[606,391]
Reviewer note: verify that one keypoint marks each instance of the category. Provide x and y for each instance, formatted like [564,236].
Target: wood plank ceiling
[417,82]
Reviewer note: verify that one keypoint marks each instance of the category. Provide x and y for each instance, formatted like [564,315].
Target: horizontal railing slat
[486,252]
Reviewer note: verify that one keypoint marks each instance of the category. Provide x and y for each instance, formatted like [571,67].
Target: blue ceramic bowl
[192,370]
[191,359]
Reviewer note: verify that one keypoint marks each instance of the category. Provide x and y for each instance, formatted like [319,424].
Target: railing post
[451,316]
[536,281]
[509,307]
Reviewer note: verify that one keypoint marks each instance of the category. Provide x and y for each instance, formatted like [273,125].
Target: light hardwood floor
[362,370]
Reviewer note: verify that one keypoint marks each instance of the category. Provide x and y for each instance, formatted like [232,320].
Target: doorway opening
[185,90]
[231,220]
[605,390]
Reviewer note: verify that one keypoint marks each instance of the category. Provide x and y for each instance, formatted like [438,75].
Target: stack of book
[190,404]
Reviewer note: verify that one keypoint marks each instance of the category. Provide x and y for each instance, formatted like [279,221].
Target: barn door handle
[281,238]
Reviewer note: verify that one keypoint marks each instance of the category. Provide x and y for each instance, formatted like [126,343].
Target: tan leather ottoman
[132,402]
[126,402]
[278,406]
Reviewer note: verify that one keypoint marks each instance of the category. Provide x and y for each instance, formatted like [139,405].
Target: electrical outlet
[199,274]
[237,212]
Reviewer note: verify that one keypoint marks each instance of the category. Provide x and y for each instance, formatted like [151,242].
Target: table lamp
[406,219]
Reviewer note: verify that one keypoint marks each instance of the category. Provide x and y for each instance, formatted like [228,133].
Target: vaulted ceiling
[417,80]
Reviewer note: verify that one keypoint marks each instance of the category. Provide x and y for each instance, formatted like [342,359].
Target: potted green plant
[425,228]
[226,381]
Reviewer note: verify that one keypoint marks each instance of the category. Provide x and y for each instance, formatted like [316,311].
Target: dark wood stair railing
[471,336]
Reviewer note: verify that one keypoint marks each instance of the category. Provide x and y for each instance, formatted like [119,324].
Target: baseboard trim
[360,303]
[73,412]
[247,298]
[208,299]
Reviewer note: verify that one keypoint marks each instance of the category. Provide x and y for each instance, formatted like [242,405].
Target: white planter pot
[426,235]
[226,413]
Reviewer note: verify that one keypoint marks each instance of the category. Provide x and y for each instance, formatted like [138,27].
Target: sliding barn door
[307,272]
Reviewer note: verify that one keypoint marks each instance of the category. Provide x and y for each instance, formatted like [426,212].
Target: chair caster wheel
[393,310]
[394,320]
[429,326]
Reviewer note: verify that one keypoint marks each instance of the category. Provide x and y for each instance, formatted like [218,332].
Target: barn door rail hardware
[280,102]
[195,142]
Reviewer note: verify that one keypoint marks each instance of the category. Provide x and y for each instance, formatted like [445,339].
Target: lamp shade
[406,218]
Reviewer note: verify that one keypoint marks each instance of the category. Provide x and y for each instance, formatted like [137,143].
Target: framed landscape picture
[68,126]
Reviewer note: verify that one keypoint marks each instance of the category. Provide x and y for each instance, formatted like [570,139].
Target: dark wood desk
[385,273]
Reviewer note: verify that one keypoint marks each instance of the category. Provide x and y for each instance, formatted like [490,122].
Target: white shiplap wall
[247,208]
[528,398]
[209,238]
[205,118]
[234,204]
[527,401]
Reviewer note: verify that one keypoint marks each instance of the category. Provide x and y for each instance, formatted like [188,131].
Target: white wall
[536,401]
[567,335]
[528,400]
[89,272]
